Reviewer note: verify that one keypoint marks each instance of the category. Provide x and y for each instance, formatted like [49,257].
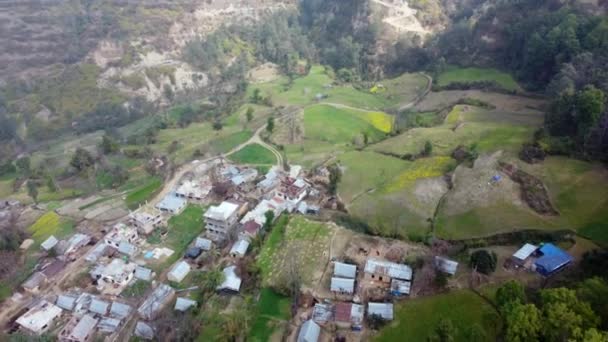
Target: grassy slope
[334,125]
[418,318]
[477,74]
[142,193]
[270,308]
[253,154]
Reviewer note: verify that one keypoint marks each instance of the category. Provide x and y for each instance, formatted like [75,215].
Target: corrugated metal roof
[309,332]
[240,247]
[525,252]
[66,302]
[156,301]
[388,268]
[446,265]
[552,260]
[183,304]
[400,287]
[84,328]
[204,244]
[127,248]
[120,310]
[49,243]
[231,281]
[108,325]
[99,306]
[343,270]
[179,272]
[143,273]
[342,285]
[171,203]
[144,330]
[384,310]
[321,313]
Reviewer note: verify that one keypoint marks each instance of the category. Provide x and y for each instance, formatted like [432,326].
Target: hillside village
[360,289]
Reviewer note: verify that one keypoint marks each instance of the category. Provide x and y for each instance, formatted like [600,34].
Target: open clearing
[418,318]
[490,130]
[50,224]
[271,310]
[465,75]
[301,245]
[303,91]
[476,207]
[337,125]
[254,154]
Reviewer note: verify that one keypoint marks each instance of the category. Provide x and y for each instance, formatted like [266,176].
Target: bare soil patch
[533,191]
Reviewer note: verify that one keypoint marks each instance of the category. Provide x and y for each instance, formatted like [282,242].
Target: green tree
[444,332]
[590,104]
[365,138]
[24,165]
[249,114]
[428,148]
[256,97]
[595,292]
[270,125]
[269,216]
[335,175]
[565,316]
[483,261]
[594,335]
[523,323]
[32,190]
[51,184]
[510,293]
[476,333]
[82,160]
[108,144]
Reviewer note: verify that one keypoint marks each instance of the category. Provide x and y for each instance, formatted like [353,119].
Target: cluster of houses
[546,259]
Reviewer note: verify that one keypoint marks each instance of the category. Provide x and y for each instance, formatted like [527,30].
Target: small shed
[553,259]
[232,282]
[66,302]
[144,330]
[179,272]
[49,243]
[120,311]
[99,306]
[193,252]
[183,304]
[446,265]
[127,249]
[342,285]
[309,332]
[400,287]
[521,256]
[239,249]
[143,273]
[343,270]
[202,243]
[108,325]
[34,282]
[322,313]
[383,310]
[78,329]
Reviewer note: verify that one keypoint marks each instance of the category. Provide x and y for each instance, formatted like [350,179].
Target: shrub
[483,261]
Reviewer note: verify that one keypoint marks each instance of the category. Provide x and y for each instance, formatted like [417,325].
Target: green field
[183,229]
[271,310]
[144,192]
[50,224]
[339,126]
[402,89]
[416,319]
[227,143]
[489,130]
[302,242]
[576,189]
[464,75]
[253,154]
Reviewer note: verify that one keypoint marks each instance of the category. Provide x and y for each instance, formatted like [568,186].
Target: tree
[24,165]
[82,160]
[32,190]
[365,138]
[269,216]
[108,144]
[168,92]
[444,332]
[593,335]
[523,323]
[270,125]
[595,292]
[211,280]
[590,103]
[476,333]
[217,125]
[565,316]
[249,114]
[428,149]
[510,293]
[51,184]
[257,96]
[335,174]
[483,261]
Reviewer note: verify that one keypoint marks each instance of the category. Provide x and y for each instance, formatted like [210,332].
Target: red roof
[343,312]
[251,227]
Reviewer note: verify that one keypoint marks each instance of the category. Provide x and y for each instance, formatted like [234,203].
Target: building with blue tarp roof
[552,260]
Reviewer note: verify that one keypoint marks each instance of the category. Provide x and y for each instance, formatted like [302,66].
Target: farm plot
[50,224]
[418,318]
[467,125]
[303,90]
[302,245]
[271,310]
[467,75]
[255,154]
[338,125]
